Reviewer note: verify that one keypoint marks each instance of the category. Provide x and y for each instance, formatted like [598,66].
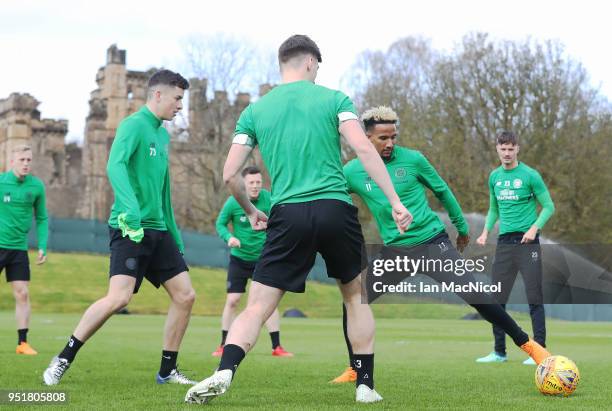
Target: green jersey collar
[518,165]
[12,178]
[150,116]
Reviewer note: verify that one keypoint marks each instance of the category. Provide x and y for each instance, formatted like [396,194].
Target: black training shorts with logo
[297,231]
[156,258]
[16,263]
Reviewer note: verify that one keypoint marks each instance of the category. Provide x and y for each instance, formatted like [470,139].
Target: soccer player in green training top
[411,175]
[514,190]
[246,245]
[144,239]
[22,194]
[297,126]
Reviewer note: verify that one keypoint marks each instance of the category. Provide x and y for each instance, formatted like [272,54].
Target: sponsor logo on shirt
[7,197]
[507,194]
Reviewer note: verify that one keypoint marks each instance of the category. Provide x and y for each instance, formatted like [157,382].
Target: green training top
[19,199]
[138,172]
[512,198]
[296,127]
[410,173]
[251,241]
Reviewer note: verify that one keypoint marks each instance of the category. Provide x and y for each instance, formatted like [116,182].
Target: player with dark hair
[144,239]
[297,126]
[514,191]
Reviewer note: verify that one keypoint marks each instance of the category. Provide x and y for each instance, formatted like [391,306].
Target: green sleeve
[223,220]
[42,222]
[430,178]
[346,171]
[493,213]
[543,197]
[245,129]
[124,145]
[169,213]
[344,104]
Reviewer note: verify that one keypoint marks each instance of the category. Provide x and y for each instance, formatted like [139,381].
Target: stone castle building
[57,164]
[75,177]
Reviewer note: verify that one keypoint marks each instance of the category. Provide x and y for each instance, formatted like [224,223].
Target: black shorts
[16,263]
[296,232]
[156,258]
[239,272]
[511,257]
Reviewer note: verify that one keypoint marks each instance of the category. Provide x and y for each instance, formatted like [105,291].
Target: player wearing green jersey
[297,126]
[144,239]
[22,195]
[514,191]
[411,174]
[246,245]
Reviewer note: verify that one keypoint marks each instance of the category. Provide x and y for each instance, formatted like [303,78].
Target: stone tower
[120,92]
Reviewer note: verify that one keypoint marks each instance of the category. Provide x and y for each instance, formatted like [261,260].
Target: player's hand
[41,257]
[402,217]
[530,235]
[462,242]
[233,242]
[482,240]
[259,220]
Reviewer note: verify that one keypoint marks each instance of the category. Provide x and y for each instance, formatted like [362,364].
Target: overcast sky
[53,49]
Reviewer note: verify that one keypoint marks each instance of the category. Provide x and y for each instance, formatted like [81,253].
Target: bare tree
[229,63]
[451,105]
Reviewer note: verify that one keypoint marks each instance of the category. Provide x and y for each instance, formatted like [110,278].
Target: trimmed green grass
[424,353]
[420,364]
[69,283]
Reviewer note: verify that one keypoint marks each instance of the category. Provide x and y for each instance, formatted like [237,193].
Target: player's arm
[432,180]
[548,207]
[492,216]
[374,166]
[42,225]
[169,213]
[242,145]
[124,145]
[225,216]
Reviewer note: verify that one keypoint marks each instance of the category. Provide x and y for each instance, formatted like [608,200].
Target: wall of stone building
[20,123]
[120,92]
[77,185]
[197,163]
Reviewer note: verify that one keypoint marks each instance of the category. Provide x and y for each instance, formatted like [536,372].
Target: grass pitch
[421,363]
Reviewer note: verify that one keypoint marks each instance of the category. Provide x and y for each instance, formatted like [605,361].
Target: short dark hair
[507,137]
[168,78]
[296,45]
[250,170]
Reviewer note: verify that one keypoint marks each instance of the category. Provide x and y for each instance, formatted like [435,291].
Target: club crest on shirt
[7,197]
[400,172]
[243,219]
[29,196]
[152,150]
[517,183]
